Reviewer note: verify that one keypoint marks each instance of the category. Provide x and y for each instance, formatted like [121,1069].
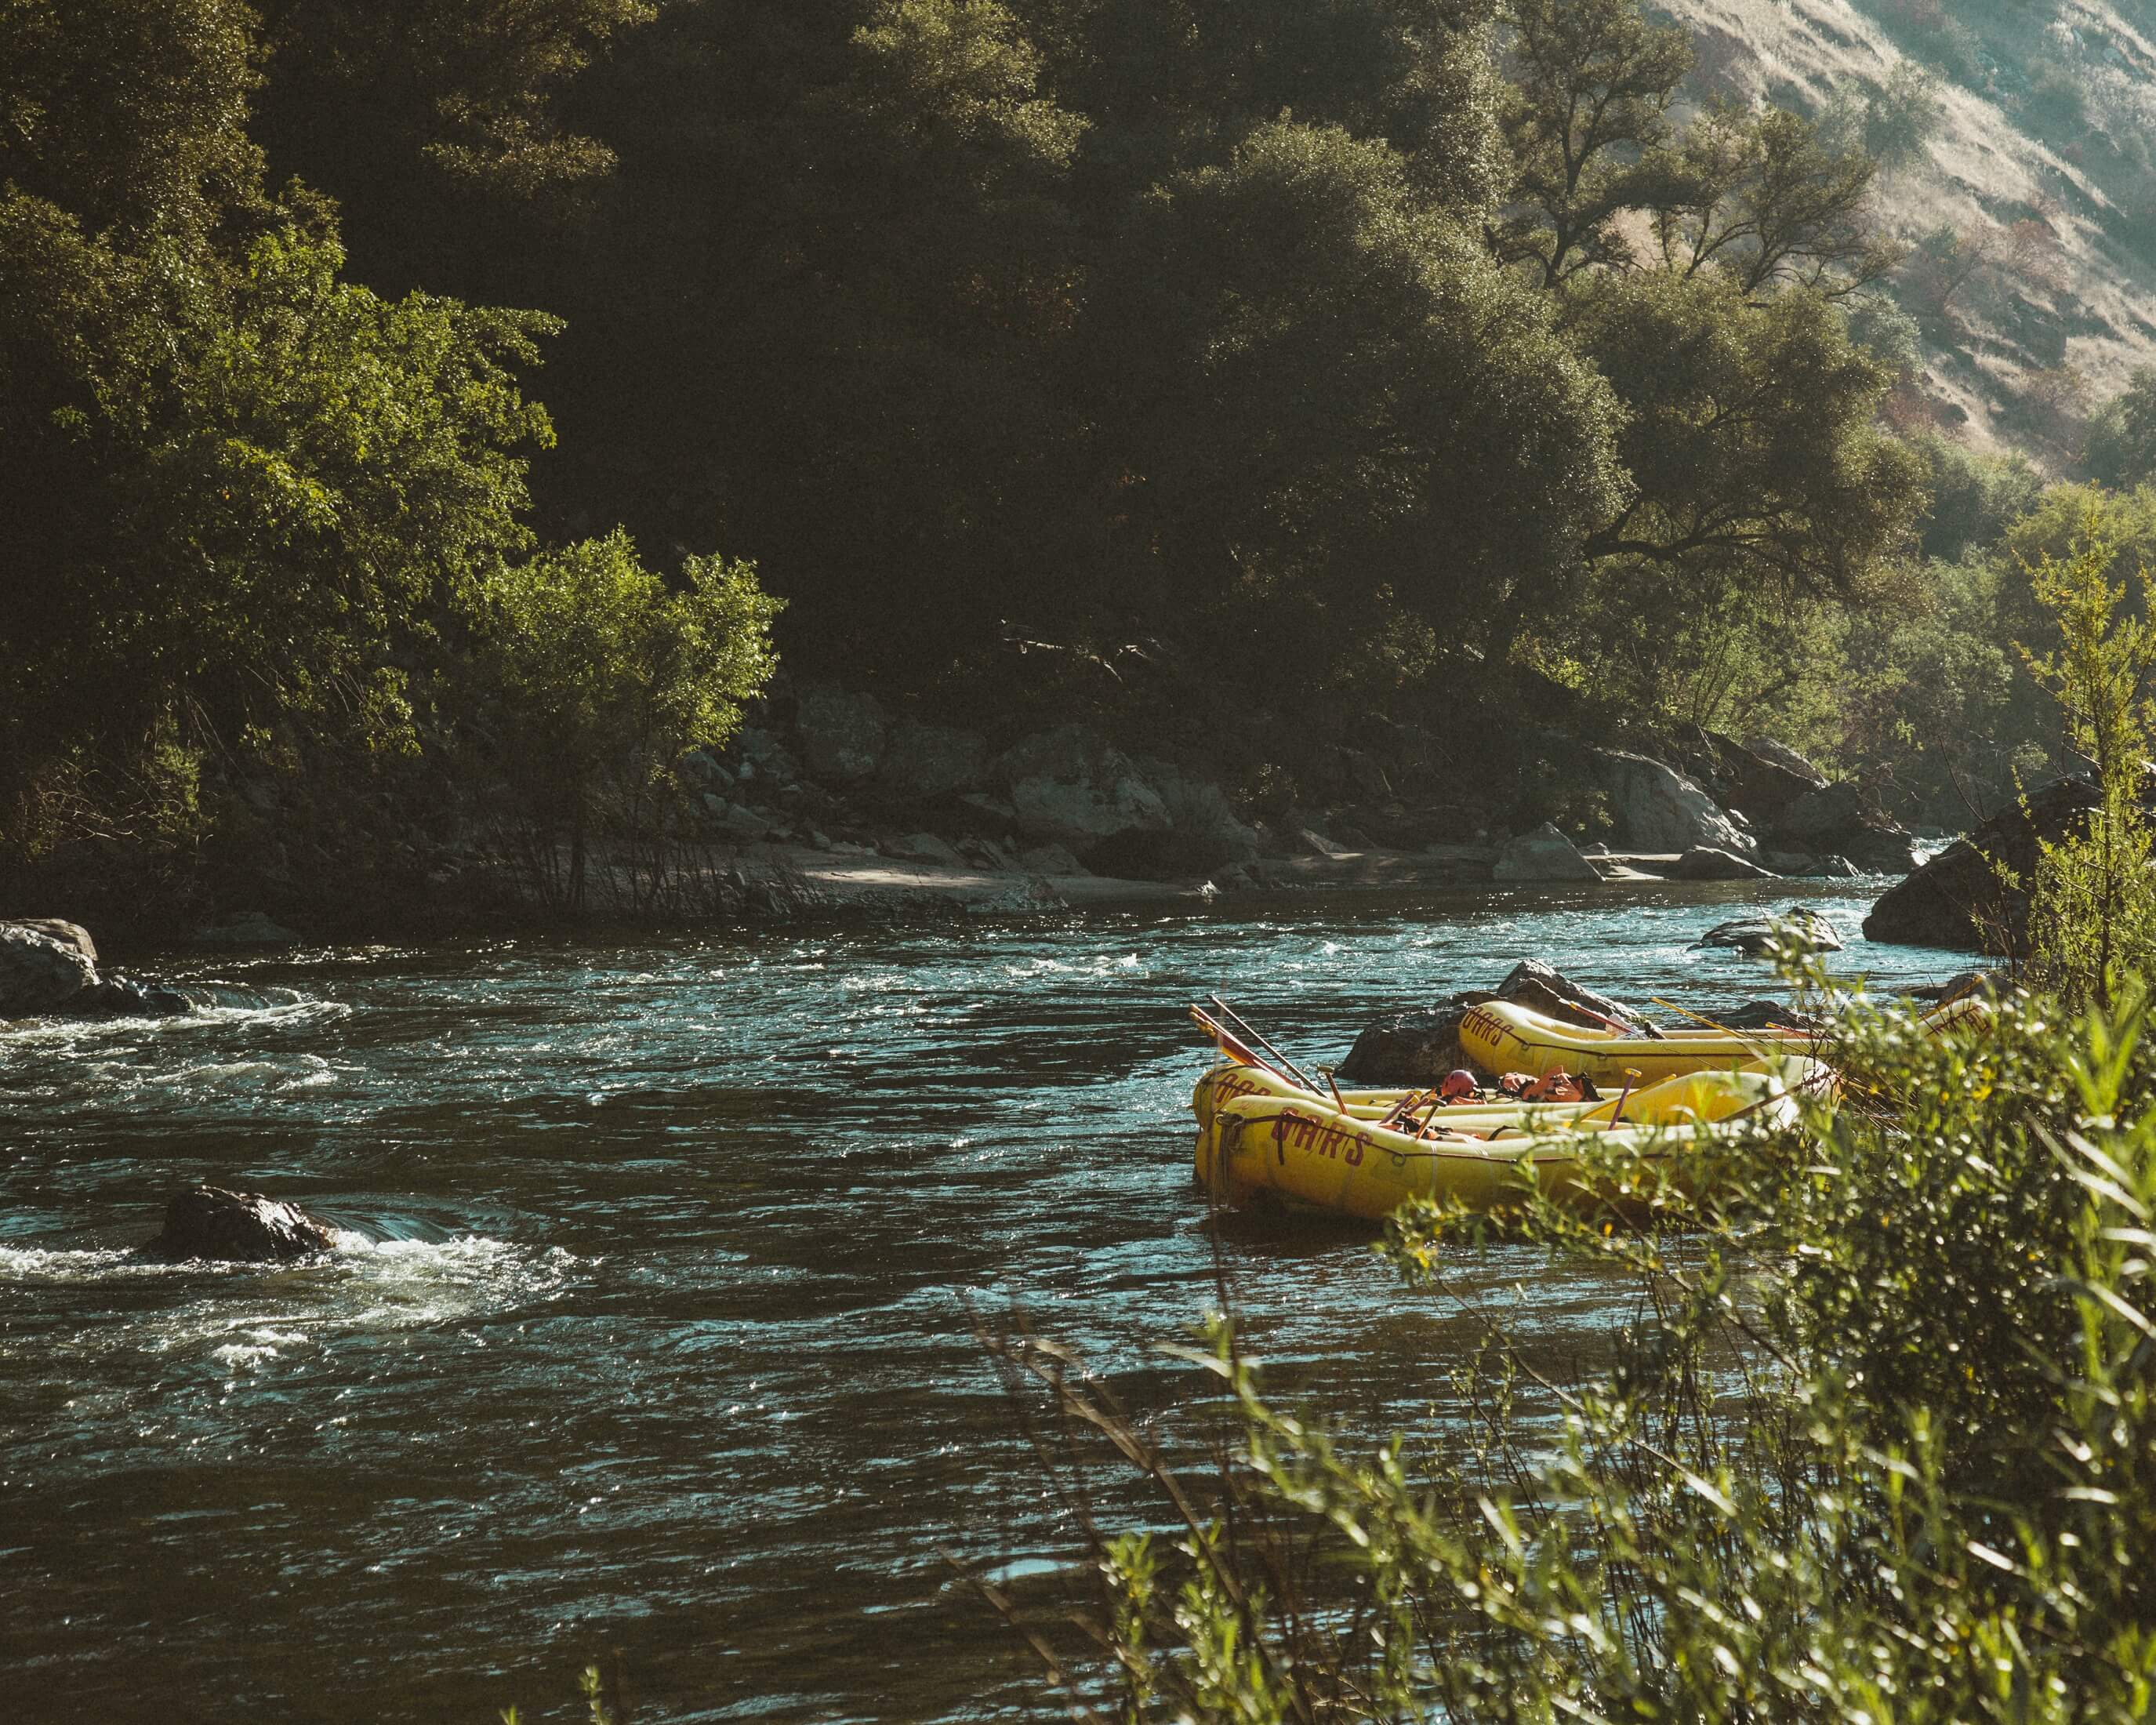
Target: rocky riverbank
[834,801]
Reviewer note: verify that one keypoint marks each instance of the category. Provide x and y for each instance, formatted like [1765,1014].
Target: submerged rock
[1753,935]
[211,1223]
[1961,983]
[118,996]
[247,928]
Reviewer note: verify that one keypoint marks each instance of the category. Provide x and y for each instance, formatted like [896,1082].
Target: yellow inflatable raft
[1230,1081]
[1309,1153]
[1502,1037]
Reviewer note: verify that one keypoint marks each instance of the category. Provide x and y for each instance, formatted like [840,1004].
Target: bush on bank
[1878,1443]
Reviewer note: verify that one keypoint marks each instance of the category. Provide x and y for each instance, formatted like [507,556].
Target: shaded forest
[1243,372]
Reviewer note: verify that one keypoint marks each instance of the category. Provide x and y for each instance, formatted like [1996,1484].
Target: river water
[652,1327]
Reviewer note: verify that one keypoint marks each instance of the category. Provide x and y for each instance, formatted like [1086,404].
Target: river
[650,1329]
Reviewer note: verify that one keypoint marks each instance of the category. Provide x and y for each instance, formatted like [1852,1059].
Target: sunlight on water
[649,1324]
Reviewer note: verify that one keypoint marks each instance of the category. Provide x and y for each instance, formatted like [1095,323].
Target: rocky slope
[2030,212]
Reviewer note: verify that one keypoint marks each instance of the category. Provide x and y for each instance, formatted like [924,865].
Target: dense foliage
[251,510]
[1447,350]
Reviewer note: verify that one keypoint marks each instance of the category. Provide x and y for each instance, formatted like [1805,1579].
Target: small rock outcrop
[1536,986]
[1050,859]
[925,848]
[211,1223]
[1658,808]
[1780,754]
[1544,854]
[841,735]
[1070,786]
[45,966]
[1204,832]
[1957,900]
[922,762]
[50,966]
[1755,935]
[1418,1047]
[1759,780]
[1767,1015]
[1704,864]
[247,928]
[1840,820]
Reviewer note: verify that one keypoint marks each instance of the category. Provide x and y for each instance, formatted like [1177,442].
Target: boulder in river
[1767,1015]
[1756,936]
[209,1222]
[45,966]
[1957,901]
[1841,819]
[1544,854]
[1540,988]
[1417,1047]
[1657,809]
[1420,1046]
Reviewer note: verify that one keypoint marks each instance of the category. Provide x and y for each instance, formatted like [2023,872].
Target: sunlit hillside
[2028,201]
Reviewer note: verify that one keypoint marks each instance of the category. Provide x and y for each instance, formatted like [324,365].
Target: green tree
[1587,117]
[1902,116]
[1749,434]
[1973,497]
[1763,199]
[2121,451]
[1321,386]
[475,91]
[606,674]
[131,115]
[2092,905]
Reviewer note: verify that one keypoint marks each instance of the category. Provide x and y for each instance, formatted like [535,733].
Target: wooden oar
[1725,1029]
[1252,1031]
[1231,1045]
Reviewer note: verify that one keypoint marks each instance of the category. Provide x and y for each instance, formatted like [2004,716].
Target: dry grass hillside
[2029,209]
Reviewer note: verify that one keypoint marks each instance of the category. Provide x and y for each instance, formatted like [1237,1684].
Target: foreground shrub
[1879,1443]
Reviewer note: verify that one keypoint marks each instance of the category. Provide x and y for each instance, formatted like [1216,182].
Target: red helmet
[1458,1082]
